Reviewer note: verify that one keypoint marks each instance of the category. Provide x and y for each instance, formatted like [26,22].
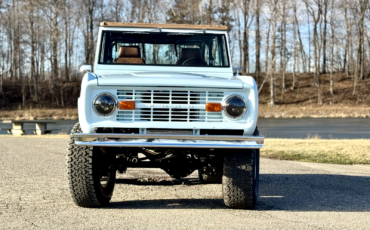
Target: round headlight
[235,107]
[104,104]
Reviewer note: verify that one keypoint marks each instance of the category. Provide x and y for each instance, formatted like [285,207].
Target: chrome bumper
[168,141]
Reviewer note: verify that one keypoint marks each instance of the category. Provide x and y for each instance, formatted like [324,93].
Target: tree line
[42,42]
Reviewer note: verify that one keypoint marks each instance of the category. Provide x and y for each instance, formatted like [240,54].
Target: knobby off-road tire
[240,179]
[86,167]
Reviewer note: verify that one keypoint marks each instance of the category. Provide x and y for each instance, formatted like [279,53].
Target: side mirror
[237,70]
[85,68]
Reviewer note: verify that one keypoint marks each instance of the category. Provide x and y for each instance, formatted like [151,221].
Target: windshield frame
[223,34]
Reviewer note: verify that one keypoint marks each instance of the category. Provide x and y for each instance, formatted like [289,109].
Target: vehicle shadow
[159,181]
[314,192]
[287,192]
[169,204]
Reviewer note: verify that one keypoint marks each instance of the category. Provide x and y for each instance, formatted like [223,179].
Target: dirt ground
[305,93]
[302,101]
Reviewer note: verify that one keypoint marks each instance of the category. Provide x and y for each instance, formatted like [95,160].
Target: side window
[213,58]
[102,48]
[215,53]
[224,50]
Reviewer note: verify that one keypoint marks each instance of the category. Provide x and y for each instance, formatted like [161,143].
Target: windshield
[163,49]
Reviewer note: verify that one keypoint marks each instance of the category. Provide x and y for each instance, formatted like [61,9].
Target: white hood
[166,79]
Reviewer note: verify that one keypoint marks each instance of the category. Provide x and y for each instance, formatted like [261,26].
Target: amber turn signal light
[213,107]
[127,105]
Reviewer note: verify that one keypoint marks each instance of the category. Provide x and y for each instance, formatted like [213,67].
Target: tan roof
[163,26]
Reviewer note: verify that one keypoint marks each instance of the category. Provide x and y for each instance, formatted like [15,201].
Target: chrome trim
[147,144]
[168,141]
[115,105]
[169,137]
[224,103]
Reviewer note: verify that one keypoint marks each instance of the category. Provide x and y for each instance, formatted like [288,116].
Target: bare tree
[303,57]
[116,10]
[314,8]
[258,38]
[283,34]
[332,44]
[43,41]
[87,16]
[247,19]
[323,37]
[274,14]
[360,67]
[349,23]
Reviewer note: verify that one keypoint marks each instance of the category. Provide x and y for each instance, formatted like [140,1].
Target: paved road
[294,195]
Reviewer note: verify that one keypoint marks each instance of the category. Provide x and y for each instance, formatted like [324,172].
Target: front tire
[240,179]
[91,174]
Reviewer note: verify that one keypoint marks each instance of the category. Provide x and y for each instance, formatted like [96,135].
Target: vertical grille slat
[157,98]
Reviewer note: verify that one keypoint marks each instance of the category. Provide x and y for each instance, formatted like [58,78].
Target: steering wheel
[195,62]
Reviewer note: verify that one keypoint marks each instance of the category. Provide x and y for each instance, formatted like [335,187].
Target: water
[326,128]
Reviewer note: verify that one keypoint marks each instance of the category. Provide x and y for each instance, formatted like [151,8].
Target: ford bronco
[164,96]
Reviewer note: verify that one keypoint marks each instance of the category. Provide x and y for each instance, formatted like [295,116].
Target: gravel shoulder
[294,195]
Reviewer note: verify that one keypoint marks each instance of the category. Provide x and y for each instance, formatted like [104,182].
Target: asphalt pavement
[293,195]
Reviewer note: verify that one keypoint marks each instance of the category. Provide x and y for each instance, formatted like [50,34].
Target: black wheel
[240,179]
[91,174]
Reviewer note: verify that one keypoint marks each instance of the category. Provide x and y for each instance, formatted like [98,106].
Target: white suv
[164,96]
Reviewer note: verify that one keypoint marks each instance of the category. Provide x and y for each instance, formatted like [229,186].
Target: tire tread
[80,173]
[238,180]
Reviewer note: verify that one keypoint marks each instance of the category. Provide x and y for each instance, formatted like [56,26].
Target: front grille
[150,103]
[170,96]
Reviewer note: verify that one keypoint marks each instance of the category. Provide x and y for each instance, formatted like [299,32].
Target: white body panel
[110,78]
[163,79]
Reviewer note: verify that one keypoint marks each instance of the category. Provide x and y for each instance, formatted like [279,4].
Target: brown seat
[189,53]
[129,55]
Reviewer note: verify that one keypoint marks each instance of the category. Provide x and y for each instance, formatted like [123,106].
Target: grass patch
[40,114]
[54,136]
[317,150]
